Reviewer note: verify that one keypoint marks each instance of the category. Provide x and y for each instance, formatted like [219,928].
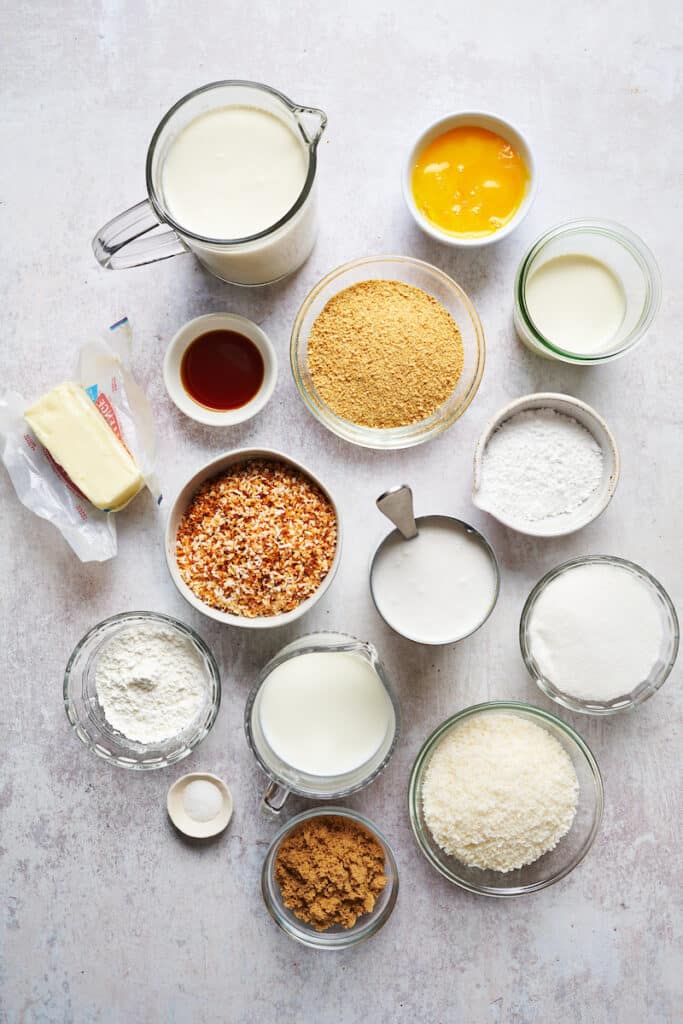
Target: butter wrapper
[42,486]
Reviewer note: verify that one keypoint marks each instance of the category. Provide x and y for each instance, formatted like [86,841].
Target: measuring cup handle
[274,799]
[125,241]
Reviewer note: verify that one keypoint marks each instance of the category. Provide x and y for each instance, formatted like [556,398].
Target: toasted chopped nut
[257,540]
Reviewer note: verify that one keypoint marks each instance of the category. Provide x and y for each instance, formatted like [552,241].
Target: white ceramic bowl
[182,500]
[477,119]
[556,526]
[183,339]
[190,826]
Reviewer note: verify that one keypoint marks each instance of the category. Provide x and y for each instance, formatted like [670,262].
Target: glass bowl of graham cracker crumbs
[330,878]
[387,351]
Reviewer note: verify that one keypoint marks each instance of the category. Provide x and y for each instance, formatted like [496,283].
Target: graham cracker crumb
[384,354]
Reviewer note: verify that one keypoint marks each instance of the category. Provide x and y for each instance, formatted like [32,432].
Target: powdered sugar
[150,683]
[539,464]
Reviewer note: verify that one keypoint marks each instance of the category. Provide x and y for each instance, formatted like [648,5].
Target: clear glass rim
[596,707]
[311,145]
[353,644]
[638,250]
[202,732]
[494,560]
[425,754]
[389,438]
[337,940]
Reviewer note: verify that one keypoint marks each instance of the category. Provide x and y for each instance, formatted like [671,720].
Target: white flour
[150,683]
[539,464]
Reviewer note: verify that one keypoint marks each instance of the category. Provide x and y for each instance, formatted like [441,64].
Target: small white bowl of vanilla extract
[220,369]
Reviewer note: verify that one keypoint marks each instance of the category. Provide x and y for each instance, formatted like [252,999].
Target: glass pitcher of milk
[231,172]
[322,720]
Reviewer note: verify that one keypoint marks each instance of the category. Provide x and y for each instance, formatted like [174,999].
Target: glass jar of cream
[586,292]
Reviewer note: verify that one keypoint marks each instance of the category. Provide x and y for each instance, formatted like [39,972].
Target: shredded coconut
[150,683]
[499,792]
[539,464]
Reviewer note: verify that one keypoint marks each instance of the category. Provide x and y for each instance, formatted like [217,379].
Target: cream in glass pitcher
[322,720]
[231,170]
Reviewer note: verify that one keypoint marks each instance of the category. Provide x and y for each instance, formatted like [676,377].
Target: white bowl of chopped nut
[253,539]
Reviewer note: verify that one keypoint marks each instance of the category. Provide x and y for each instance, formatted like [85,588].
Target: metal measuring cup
[397,505]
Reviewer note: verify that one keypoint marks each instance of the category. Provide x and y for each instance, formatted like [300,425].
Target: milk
[325,713]
[437,587]
[577,303]
[234,172]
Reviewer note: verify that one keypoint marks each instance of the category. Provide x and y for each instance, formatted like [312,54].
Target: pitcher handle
[125,241]
[274,799]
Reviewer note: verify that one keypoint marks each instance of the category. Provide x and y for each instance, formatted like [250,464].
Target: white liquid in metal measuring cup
[233,172]
[437,587]
[325,712]
[577,303]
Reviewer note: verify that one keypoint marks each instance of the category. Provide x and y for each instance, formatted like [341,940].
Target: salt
[202,800]
[539,464]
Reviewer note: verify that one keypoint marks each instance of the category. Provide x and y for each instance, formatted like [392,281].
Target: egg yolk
[469,181]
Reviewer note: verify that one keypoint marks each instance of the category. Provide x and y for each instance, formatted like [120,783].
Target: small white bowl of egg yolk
[469,179]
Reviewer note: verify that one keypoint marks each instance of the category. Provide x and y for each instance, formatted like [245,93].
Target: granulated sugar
[539,464]
[499,792]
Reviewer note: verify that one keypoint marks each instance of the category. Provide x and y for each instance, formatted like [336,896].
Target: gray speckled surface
[106,915]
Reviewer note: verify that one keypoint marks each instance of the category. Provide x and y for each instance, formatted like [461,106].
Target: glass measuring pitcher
[148,231]
[286,778]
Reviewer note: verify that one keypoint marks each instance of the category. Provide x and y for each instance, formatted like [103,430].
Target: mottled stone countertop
[107,916]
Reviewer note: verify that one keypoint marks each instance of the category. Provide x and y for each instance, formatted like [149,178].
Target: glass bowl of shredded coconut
[505,799]
[141,690]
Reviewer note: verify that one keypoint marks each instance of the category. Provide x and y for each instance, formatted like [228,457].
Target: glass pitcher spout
[325,641]
[312,123]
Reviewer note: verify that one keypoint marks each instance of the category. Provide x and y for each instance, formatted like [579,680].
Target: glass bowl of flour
[141,690]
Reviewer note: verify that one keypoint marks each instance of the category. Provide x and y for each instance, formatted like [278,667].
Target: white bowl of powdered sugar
[546,465]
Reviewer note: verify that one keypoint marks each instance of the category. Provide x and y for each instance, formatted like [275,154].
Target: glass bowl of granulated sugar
[387,352]
[141,690]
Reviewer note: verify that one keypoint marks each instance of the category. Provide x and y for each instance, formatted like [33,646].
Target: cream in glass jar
[586,292]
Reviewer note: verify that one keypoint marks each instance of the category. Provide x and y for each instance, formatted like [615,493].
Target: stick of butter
[77,436]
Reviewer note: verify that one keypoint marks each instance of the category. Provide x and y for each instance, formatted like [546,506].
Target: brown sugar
[384,354]
[330,871]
